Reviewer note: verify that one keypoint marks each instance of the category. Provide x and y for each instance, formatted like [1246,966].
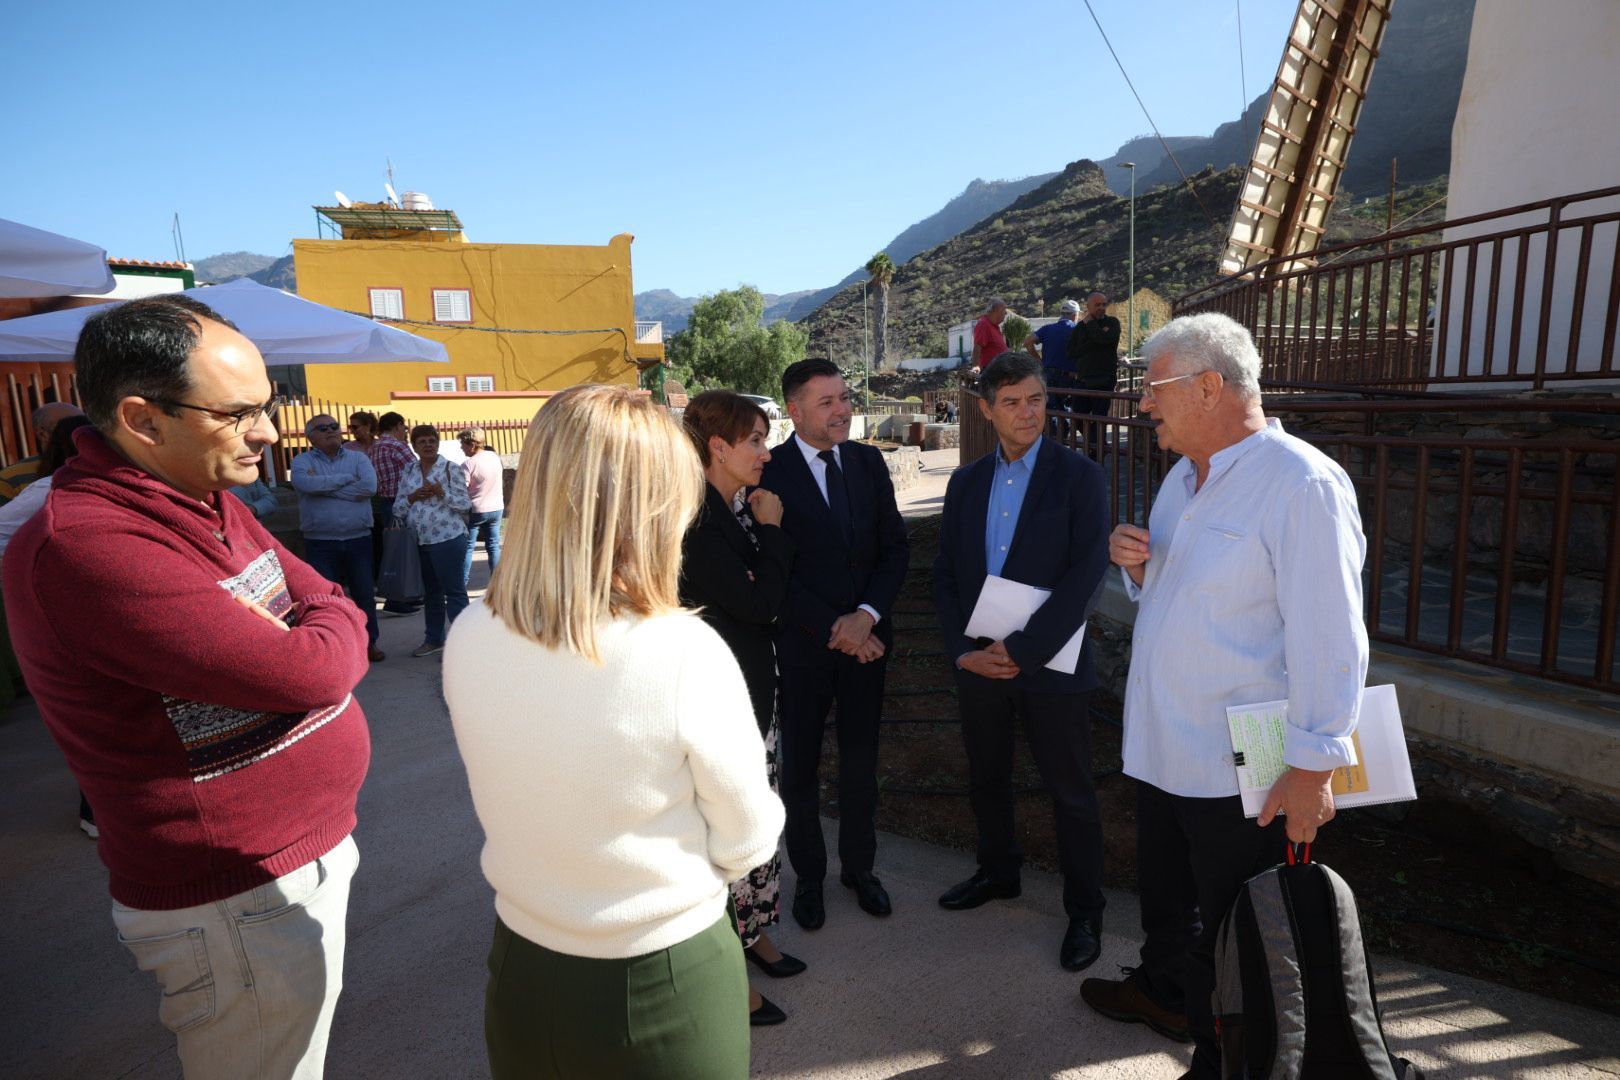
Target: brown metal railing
[1499,551]
[1532,302]
[505,436]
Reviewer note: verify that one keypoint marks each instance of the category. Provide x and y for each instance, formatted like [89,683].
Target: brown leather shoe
[1123,999]
[375,654]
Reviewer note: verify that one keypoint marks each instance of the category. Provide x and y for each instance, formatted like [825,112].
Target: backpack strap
[1365,1027]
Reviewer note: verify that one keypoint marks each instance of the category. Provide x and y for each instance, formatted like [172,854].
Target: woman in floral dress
[433,500]
[735,570]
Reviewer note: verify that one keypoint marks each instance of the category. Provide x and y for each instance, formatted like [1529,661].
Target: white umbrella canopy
[287,329]
[34,262]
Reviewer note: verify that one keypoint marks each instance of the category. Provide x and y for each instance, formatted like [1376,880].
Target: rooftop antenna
[342,200]
[178,237]
[392,196]
[389,186]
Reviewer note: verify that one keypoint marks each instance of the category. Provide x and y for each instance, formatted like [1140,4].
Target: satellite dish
[392,196]
[343,200]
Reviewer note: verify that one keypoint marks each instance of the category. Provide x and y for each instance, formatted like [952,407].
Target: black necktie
[837,494]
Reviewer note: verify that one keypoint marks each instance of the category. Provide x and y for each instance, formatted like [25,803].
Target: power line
[1243,82]
[1167,151]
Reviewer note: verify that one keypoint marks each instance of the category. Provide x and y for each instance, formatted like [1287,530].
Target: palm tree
[882,268]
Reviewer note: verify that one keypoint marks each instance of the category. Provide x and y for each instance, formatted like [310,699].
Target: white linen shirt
[437,519]
[1251,593]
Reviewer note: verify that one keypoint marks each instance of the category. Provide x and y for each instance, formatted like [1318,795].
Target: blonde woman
[614,762]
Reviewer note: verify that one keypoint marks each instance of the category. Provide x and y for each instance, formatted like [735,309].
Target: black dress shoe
[977,890]
[869,892]
[1082,944]
[808,910]
[766,1015]
[785,968]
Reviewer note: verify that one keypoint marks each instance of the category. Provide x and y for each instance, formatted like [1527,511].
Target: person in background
[734,570]
[1050,344]
[988,342]
[258,498]
[52,455]
[14,478]
[433,500]
[1094,358]
[614,761]
[206,704]
[335,486]
[390,456]
[485,487]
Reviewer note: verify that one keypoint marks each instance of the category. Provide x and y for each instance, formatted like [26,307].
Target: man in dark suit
[1034,512]
[835,628]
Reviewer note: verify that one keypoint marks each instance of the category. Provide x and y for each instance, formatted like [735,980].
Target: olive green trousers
[678,1014]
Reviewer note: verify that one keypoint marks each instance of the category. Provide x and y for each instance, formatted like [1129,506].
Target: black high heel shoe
[785,968]
[766,1015]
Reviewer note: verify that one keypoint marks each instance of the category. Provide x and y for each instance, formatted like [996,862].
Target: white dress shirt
[1251,593]
[818,469]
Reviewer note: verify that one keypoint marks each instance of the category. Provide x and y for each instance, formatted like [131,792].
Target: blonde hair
[605,490]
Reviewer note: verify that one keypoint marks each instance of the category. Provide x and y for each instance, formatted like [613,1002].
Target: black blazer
[716,560]
[1060,543]
[832,577]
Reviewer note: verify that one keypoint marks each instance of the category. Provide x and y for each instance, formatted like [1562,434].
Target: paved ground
[926,993]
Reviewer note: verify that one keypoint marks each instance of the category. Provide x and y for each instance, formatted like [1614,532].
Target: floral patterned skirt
[757,897]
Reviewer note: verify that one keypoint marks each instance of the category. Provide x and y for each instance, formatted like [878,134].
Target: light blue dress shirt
[1008,487]
[1251,593]
[334,494]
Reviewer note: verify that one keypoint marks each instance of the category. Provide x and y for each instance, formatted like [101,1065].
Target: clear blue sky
[774,144]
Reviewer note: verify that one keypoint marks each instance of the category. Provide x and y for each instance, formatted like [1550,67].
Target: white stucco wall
[1536,120]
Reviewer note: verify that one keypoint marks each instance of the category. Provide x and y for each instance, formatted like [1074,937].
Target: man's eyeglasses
[1154,384]
[243,419]
[325,428]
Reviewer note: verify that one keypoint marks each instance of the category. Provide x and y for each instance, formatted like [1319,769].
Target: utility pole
[1130,299]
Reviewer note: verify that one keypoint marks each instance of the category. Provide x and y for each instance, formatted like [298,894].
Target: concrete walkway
[927,993]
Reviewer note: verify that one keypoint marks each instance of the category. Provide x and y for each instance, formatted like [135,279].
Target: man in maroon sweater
[199,680]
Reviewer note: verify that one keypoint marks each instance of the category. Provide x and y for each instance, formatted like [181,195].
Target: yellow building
[486,302]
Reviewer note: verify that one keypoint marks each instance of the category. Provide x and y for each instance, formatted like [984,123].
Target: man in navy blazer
[834,630]
[1035,512]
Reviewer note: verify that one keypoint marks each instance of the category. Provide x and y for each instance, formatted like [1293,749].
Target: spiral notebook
[1382,772]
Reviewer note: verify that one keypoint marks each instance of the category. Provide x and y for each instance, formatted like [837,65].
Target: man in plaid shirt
[390,457]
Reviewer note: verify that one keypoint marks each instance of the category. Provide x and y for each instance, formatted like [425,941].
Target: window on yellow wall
[480,384]
[441,384]
[452,305]
[388,303]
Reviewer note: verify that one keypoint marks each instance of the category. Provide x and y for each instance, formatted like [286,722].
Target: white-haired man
[1249,585]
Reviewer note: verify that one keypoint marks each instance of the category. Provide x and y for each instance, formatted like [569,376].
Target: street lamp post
[866,350]
[1130,300]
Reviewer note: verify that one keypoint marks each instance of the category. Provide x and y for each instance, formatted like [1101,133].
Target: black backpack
[1293,993]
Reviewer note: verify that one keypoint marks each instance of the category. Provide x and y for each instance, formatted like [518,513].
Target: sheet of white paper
[1005,606]
[1257,732]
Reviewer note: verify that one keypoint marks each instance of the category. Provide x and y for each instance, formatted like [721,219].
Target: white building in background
[1535,122]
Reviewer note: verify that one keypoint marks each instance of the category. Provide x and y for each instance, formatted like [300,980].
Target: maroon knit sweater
[217,750]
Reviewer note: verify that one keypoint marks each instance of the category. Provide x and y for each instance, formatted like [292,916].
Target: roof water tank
[415,200]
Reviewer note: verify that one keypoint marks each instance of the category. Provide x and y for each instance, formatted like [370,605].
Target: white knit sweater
[617,800]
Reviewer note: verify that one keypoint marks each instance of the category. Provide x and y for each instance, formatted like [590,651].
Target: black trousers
[1193,855]
[1093,431]
[808,694]
[1058,728]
